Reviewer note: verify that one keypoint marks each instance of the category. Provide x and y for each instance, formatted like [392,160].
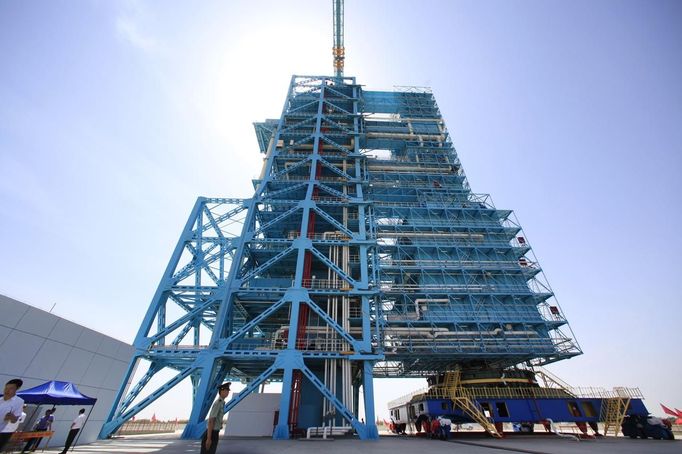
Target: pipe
[554,431]
[398,135]
[427,300]
[376,168]
[403,119]
[330,429]
[494,332]
[428,332]
[478,236]
[420,329]
[345,318]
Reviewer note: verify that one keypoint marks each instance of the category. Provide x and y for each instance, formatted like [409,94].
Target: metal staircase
[453,389]
[550,380]
[612,413]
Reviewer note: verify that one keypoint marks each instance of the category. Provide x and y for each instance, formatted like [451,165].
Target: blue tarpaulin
[56,393]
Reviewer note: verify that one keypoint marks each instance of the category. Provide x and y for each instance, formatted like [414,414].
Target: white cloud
[133,25]
[128,30]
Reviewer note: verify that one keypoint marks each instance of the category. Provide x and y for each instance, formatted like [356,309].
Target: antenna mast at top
[338,49]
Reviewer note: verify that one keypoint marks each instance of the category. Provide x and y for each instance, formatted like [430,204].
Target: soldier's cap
[224,386]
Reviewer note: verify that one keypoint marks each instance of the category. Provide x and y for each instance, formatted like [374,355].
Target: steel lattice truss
[362,253]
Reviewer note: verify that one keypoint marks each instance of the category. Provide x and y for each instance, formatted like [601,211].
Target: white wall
[37,346]
[253,416]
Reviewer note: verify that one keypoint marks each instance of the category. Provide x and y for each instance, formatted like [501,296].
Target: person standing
[214,423]
[43,424]
[76,426]
[435,428]
[445,426]
[10,410]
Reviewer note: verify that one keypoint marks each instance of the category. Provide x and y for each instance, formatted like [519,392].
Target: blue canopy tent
[57,393]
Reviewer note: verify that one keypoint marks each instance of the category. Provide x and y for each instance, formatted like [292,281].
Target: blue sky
[115,116]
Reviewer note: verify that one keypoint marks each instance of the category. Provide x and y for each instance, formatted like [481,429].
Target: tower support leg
[196,425]
[371,431]
[108,428]
[282,428]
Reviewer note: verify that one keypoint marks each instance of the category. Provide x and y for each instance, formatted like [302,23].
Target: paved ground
[386,445]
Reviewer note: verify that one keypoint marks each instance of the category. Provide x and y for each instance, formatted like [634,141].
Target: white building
[37,346]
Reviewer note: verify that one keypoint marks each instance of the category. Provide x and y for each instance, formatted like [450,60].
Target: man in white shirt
[10,410]
[445,426]
[76,426]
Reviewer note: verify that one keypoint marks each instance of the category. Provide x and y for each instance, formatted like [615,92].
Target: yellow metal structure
[452,388]
[339,57]
[465,394]
[443,392]
[549,380]
[338,50]
[612,413]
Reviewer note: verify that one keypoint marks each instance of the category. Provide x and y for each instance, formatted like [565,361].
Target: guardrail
[142,427]
[439,392]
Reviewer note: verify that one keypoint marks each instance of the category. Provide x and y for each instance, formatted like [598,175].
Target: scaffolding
[457,278]
[363,253]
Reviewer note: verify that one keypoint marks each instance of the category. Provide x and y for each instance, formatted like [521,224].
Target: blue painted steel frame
[214,305]
[421,273]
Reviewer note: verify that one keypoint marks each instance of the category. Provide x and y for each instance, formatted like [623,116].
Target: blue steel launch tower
[363,253]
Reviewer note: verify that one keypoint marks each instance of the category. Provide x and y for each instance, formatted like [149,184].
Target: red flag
[669,411]
[154,417]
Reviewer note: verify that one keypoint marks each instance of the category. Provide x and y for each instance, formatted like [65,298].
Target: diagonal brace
[268,264]
[334,169]
[251,387]
[335,145]
[332,398]
[333,324]
[225,343]
[184,319]
[279,218]
[333,266]
[332,191]
[333,221]
[286,170]
[115,423]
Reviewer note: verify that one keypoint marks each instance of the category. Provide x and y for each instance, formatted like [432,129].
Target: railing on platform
[148,427]
[492,264]
[292,235]
[394,287]
[441,392]
[338,284]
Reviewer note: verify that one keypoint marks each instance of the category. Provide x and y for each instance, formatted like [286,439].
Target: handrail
[440,392]
[385,261]
[425,287]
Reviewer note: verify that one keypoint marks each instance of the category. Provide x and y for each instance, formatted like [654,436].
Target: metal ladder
[612,413]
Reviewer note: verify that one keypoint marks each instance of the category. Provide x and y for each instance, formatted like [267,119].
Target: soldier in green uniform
[214,423]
